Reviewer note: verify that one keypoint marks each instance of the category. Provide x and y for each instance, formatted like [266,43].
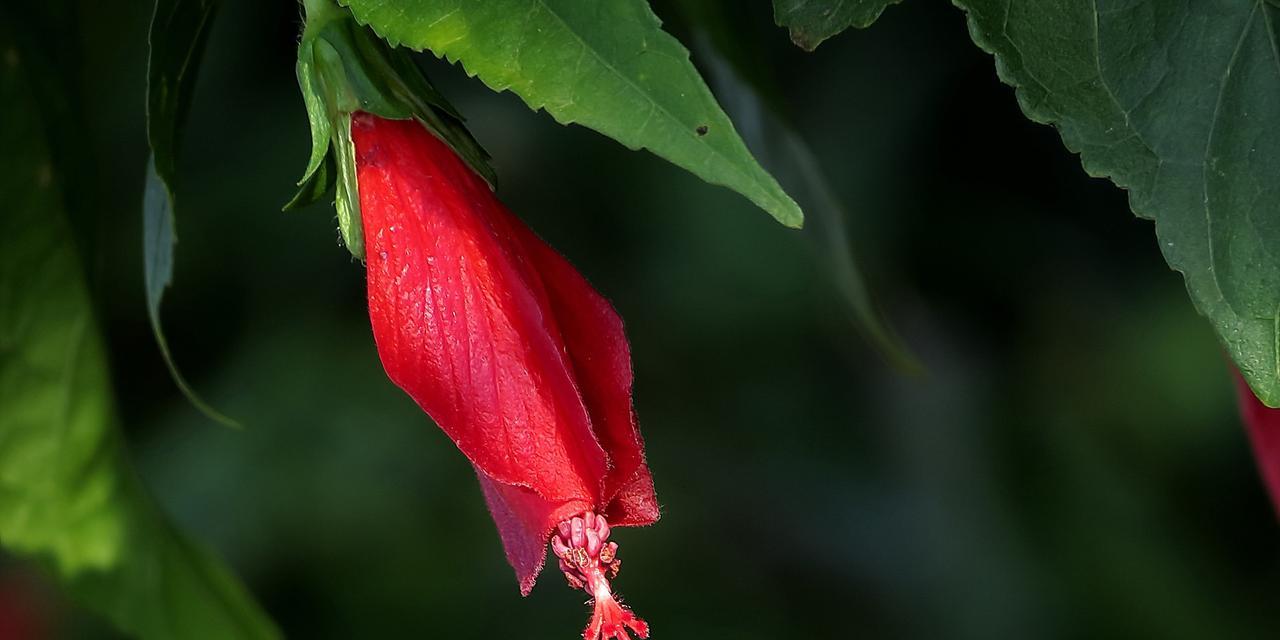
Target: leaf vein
[1208,147]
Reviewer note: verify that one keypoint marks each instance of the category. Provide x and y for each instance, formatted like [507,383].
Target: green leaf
[178,33]
[68,497]
[606,65]
[1177,102]
[812,21]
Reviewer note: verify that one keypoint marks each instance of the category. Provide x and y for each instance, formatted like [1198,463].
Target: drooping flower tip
[589,560]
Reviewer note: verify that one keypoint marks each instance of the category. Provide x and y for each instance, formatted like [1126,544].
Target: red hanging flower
[1263,425]
[517,358]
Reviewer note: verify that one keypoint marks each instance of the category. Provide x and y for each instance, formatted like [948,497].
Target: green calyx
[344,68]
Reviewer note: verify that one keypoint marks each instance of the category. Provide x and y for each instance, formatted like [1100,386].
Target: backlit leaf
[68,497]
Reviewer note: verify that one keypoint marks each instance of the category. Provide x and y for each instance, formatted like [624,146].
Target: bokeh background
[1070,464]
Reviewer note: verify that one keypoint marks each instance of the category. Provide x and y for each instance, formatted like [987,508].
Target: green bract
[342,69]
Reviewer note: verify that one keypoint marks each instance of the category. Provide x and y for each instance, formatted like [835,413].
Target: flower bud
[505,345]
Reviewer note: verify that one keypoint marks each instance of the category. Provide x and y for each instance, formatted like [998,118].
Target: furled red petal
[601,359]
[1263,424]
[460,318]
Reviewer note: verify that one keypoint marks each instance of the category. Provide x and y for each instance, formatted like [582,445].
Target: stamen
[589,560]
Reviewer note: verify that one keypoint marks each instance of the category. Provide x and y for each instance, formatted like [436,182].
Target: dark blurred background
[1069,466]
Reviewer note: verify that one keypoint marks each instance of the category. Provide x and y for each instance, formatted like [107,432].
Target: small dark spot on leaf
[702,129]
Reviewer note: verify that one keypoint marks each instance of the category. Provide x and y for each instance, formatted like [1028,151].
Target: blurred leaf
[179,29]
[67,494]
[812,21]
[1177,103]
[178,33]
[787,156]
[606,65]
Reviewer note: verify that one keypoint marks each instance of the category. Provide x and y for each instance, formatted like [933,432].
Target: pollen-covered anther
[589,561]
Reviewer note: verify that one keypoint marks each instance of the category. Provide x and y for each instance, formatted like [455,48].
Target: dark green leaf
[178,33]
[317,112]
[67,494]
[606,65]
[1177,102]
[812,21]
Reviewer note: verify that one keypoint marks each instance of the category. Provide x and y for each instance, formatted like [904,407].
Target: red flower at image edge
[509,349]
[1263,425]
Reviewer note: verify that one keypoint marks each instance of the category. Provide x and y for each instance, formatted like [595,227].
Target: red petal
[635,505]
[460,317]
[525,521]
[601,359]
[1263,424]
